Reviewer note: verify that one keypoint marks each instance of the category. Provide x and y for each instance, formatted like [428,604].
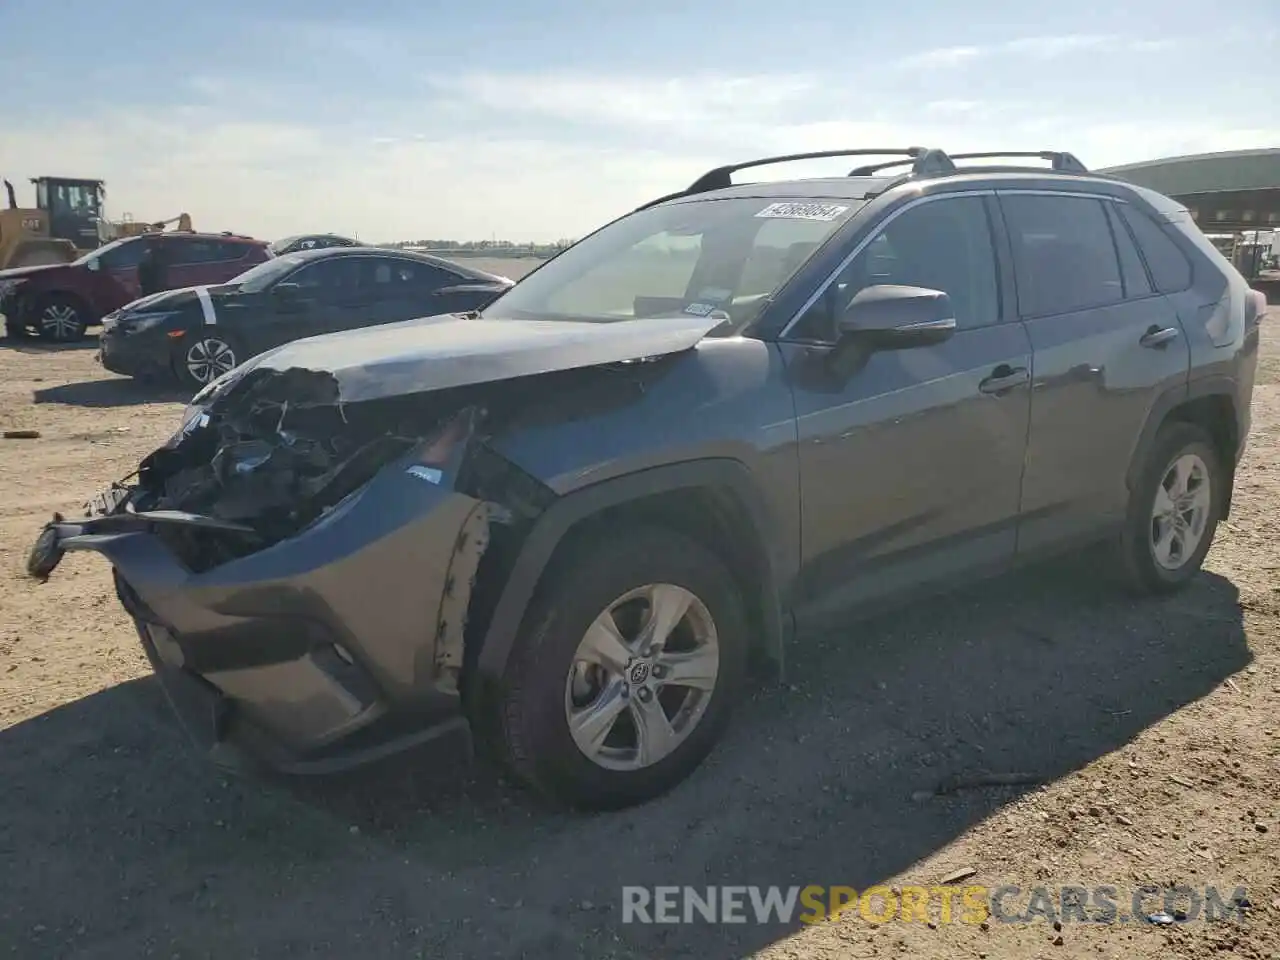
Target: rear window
[1170,269]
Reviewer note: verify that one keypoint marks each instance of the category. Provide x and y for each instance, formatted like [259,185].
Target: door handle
[1158,336]
[1003,379]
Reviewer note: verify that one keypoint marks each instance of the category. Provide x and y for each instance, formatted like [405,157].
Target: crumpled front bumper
[325,650]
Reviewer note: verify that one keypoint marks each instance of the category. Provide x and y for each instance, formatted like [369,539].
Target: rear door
[202,261]
[1105,345]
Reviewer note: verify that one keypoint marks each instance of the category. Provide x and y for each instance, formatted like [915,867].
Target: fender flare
[1171,399]
[554,524]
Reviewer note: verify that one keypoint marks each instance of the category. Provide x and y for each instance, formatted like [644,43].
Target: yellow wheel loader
[66,222]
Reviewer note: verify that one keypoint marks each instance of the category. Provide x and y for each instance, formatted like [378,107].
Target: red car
[60,301]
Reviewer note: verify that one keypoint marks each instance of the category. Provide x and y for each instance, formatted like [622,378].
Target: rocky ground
[1152,727]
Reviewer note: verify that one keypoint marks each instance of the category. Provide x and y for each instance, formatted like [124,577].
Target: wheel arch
[1209,403]
[715,500]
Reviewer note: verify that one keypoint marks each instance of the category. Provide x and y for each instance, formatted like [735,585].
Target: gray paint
[900,474]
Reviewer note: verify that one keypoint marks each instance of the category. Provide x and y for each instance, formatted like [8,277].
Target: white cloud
[1038,48]
[645,137]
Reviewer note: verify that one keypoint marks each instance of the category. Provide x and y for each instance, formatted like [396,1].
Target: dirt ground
[1154,727]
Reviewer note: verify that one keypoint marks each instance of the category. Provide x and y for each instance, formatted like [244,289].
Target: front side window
[1063,254]
[119,255]
[942,244]
[697,258]
[339,274]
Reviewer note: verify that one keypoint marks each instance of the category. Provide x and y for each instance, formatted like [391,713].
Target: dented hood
[434,353]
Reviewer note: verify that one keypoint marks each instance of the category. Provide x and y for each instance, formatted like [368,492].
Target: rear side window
[422,277]
[1063,254]
[1136,282]
[1170,269]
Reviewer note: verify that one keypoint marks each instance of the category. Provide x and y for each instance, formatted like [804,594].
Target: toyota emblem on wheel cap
[639,672]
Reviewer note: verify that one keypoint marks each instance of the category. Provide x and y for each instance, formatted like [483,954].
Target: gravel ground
[1153,727]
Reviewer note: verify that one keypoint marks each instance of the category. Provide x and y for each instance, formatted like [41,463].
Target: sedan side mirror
[287,294]
[892,317]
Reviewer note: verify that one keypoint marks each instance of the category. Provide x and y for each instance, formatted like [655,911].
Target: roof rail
[719,178]
[1060,161]
[922,159]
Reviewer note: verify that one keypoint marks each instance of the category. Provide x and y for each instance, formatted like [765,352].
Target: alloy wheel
[642,677]
[1181,511]
[209,358]
[60,320]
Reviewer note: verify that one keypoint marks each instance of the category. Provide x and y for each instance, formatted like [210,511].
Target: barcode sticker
[792,210]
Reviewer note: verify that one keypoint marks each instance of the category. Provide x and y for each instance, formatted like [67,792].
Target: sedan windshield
[258,278]
[724,258]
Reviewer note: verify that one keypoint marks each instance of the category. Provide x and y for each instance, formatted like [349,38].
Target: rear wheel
[625,672]
[61,318]
[1173,510]
[204,356]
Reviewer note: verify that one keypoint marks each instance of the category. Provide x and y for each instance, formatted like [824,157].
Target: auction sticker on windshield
[791,210]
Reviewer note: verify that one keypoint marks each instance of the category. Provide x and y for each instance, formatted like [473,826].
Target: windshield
[723,258]
[256,279]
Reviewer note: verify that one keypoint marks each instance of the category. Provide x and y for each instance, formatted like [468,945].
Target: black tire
[206,338]
[534,729]
[61,318]
[1142,572]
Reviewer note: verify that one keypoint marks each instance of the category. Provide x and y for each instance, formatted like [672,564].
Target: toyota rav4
[563,523]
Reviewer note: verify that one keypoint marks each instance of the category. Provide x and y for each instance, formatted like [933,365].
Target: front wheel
[625,670]
[1173,510]
[202,357]
[61,318]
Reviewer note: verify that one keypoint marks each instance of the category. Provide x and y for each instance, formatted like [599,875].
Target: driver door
[316,298]
[911,465]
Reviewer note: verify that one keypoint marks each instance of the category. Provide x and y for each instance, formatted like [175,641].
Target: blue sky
[539,119]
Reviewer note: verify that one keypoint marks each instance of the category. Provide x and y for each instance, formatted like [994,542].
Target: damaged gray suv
[562,525]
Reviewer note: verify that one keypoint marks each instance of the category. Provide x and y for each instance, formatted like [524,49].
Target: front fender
[555,523]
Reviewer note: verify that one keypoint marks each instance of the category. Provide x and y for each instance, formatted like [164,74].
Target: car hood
[22,273]
[436,353]
[177,298]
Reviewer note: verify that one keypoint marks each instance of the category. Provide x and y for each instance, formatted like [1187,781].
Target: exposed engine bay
[276,452]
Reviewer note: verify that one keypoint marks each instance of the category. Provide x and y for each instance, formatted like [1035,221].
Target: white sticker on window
[803,210]
[699,309]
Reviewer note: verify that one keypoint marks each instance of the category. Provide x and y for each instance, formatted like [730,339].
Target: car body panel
[870,447]
[406,596]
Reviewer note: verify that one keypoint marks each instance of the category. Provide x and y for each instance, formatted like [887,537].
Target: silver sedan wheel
[642,677]
[60,320]
[1181,511]
[209,358]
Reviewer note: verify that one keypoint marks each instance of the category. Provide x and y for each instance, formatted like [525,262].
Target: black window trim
[874,235]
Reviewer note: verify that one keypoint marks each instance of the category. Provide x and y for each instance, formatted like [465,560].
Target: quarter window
[1170,269]
[1064,257]
[942,244]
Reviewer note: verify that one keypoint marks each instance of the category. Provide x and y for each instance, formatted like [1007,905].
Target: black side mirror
[287,294]
[891,317]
